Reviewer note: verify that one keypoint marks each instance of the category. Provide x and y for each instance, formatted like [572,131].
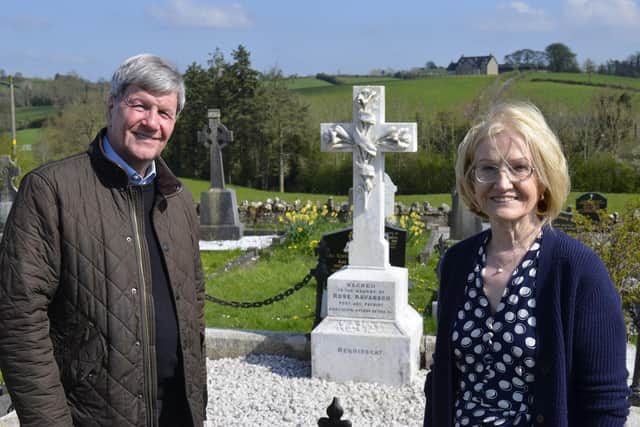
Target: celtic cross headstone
[219,219]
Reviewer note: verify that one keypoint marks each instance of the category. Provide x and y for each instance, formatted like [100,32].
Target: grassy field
[554,95]
[593,79]
[25,115]
[404,98]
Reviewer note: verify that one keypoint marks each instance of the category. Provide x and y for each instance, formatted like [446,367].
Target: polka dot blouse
[495,352]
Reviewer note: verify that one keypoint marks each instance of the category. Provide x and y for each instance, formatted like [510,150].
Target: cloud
[608,13]
[185,13]
[518,16]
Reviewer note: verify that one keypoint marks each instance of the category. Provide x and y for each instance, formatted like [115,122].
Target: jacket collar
[112,175]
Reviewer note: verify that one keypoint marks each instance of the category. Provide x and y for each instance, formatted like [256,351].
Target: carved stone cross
[216,136]
[368,137]
[8,171]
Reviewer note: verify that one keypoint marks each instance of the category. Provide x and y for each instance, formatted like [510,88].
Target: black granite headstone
[564,222]
[332,255]
[588,204]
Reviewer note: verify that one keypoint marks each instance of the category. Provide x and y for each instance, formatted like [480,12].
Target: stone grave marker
[371,333]
[332,254]
[462,222]
[389,200]
[564,222]
[8,191]
[588,204]
[219,219]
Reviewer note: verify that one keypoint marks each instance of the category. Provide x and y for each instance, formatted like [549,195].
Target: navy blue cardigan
[581,375]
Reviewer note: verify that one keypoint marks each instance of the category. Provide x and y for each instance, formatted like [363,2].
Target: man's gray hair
[150,73]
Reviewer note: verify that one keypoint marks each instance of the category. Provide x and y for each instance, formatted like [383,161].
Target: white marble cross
[369,137]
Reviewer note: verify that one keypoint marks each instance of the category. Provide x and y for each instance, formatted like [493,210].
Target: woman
[530,327]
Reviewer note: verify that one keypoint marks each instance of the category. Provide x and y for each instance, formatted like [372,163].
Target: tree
[73,130]
[561,58]
[186,155]
[589,67]
[618,245]
[527,59]
[284,119]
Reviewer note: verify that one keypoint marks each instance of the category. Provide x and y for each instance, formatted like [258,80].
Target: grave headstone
[332,254]
[462,222]
[371,333]
[588,204]
[8,191]
[389,199]
[564,222]
[219,219]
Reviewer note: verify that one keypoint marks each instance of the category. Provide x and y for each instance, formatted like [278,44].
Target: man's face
[140,124]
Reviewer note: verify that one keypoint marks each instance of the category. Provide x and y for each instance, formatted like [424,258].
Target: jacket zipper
[145,297]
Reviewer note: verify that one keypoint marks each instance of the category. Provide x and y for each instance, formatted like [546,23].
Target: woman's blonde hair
[550,164]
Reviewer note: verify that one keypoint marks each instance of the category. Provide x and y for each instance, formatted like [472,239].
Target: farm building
[474,65]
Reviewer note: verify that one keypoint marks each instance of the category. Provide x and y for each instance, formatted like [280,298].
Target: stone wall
[258,214]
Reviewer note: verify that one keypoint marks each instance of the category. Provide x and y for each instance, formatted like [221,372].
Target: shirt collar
[134,177]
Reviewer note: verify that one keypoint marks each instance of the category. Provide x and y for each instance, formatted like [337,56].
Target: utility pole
[13,117]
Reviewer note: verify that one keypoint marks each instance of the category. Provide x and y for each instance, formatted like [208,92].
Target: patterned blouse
[495,352]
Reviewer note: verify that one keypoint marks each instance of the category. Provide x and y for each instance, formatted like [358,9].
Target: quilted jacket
[76,315]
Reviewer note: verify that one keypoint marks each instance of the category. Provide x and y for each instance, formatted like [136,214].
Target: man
[101,288]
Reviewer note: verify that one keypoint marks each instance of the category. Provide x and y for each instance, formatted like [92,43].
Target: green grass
[404,98]
[593,79]
[575,98]
[28,136]
[364,80]
[306,82]
[25,115]
[279,269]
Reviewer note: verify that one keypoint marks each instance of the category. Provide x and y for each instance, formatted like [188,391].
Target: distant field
[364,80]
[574,97]
[594,78]
[404,98]
[26,115]
[28,136]
[306,82]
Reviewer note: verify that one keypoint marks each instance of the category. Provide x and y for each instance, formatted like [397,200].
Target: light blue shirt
[134,177]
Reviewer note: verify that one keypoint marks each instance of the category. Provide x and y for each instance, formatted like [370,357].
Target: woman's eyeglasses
[488,173]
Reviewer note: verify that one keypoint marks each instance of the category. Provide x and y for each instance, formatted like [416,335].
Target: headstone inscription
[370,334]
[8,191]
[219,218]
[332,254]
[588,204]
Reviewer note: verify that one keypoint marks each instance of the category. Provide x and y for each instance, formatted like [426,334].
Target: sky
[42,37]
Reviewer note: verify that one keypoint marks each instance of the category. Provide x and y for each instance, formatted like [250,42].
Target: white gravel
[243,243]
[273,391]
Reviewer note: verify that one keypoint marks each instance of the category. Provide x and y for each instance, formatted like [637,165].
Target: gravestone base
[370,334]
[219,218]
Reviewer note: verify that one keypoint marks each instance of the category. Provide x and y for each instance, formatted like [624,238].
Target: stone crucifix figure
[369,137]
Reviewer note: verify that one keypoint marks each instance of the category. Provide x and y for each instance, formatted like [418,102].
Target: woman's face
[511,194]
